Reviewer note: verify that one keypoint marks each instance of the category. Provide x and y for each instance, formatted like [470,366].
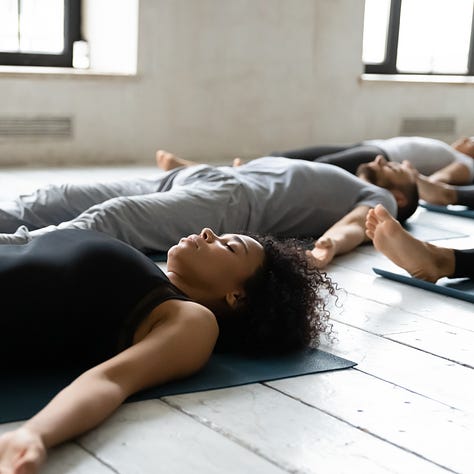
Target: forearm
[345,237]
[79,407]
[342,237]
[454,173]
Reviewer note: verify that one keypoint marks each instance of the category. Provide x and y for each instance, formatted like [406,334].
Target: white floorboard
[407,407]
[298,437]
[151,437]
[390,412]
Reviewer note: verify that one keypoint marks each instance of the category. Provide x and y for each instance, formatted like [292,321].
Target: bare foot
[237,162]
[436,192]
[167,161]
[420,259]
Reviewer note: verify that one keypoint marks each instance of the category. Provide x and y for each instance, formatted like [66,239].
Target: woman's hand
[21,452]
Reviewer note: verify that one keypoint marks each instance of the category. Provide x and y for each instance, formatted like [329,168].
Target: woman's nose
[208,235]
[380,160]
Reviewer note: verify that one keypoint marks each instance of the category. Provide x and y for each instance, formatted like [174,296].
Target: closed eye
[238,240]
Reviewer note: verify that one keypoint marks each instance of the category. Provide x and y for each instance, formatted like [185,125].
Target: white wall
[113,41]
[220,78]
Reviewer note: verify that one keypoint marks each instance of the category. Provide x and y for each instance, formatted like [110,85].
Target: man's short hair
[409,190]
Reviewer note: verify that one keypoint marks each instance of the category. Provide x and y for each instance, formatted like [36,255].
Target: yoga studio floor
[407,406]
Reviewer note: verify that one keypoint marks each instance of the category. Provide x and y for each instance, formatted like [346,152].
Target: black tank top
[75,298]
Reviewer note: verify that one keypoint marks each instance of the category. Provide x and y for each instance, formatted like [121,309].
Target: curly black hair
[285,305]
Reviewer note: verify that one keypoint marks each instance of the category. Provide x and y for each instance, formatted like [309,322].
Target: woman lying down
[81,298]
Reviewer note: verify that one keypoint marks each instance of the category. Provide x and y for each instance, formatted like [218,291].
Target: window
[419,37]
[38,32]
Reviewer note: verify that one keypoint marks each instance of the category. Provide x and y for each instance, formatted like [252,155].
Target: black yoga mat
[462,211]
[158,256]
[23,394]
[460,288]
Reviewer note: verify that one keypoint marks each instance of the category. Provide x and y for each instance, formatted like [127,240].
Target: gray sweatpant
[149,214]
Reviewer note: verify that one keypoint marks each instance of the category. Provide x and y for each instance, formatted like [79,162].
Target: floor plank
[439,338]
[451,343]
[404,297]
[417,371]
[69,458]
[392,413]
[296,436]
[150,437]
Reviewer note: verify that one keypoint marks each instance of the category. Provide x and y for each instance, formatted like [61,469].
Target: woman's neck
[196,294]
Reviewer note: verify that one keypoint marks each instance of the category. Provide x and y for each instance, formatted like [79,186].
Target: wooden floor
[407,407]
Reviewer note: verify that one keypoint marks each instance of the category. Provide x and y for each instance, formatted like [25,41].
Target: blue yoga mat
[23,394]
[462,211]
[460,288]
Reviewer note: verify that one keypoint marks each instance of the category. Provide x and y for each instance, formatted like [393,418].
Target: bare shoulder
[177,312]
[178,344]
[186,313]
[188,324]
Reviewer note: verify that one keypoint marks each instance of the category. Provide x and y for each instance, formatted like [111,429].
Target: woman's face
[218,264]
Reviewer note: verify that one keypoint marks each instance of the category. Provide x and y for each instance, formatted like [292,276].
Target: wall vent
[428,126]
[47,127]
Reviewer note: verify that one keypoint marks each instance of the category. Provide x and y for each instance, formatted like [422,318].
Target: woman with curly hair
[79,298]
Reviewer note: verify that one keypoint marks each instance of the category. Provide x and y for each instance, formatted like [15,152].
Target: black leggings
[464,264]
[348,157]
[465,195]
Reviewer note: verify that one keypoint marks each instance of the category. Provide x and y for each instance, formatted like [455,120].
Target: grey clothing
[271,195]
[427,155]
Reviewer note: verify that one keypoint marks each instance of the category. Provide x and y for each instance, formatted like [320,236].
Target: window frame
[72,32]
[389,65]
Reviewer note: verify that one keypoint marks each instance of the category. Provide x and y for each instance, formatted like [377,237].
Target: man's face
[387,174]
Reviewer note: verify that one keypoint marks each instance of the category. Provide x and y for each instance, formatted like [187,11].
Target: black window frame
[72,32]
[389,65]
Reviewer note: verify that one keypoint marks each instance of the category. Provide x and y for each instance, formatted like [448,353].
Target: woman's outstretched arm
[178,345]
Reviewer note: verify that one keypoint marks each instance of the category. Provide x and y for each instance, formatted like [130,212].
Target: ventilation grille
[47,127]
[428,126]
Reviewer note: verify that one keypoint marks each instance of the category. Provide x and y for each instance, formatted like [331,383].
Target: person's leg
[420,259]
[310,153]
[465,196]
[58,203]
[348,158]
[155,222]
[464,263]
